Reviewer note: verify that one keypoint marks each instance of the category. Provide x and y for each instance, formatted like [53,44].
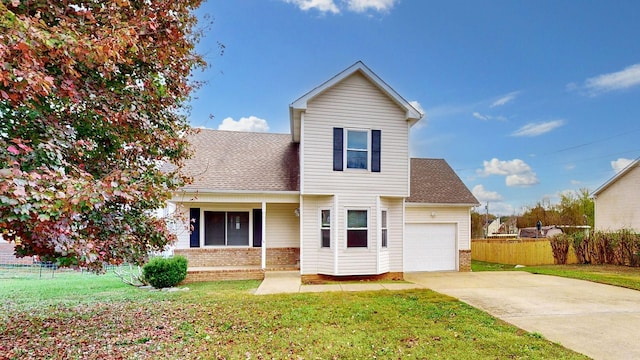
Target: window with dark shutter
[194,224]
[375,150]
[338,143]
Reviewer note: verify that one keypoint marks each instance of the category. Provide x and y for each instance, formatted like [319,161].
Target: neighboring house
[339,196]
[617,202]
[494,227]
[7,255]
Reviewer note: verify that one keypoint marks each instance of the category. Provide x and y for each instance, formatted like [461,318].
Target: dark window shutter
[375,150]
[338,143]
[194,223]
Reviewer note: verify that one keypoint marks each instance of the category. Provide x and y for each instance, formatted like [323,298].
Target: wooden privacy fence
[517,251]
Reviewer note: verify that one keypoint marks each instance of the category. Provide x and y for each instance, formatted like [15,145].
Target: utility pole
[486,220]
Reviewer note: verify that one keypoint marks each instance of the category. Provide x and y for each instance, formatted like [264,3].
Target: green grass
[487,266]
[83,315]
[622,276]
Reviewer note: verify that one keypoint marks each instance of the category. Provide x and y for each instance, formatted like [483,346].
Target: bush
[560,247]
[162,273]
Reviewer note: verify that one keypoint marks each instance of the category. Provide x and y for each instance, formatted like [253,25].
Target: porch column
[264,235]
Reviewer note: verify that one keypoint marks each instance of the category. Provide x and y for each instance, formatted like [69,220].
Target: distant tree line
[574,209]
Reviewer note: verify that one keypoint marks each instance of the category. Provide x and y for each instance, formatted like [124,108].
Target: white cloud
[477,115]
[323,6]
[501,209]
[483,195]
[332,6]
[535,129]
[620,164]
[619,80]
[505,99]
[417,106]
[251,123]
[516,172]
[360,6]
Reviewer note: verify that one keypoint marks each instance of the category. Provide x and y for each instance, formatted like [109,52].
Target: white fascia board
[413,204]
[269,196]
[615,178]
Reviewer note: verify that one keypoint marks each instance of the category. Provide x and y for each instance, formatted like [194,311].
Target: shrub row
[616,248]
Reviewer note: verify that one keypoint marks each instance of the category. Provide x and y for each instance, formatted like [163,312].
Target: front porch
[216,264]
[223,273]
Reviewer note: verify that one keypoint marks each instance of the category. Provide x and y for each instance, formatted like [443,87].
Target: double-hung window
[383,223]
[357,228]
[357,149]
[325,228]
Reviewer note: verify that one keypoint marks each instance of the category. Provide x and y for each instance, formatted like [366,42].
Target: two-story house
[339,196]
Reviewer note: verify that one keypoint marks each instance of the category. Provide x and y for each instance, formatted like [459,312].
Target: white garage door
[430,247]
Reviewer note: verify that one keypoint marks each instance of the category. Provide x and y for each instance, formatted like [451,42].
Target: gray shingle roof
[248,161]
[433,181]
[233,160]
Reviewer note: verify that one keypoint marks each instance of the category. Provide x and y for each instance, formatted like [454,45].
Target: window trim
[226,224]
[323,228]
[384,228]
[346,148]
[347,228]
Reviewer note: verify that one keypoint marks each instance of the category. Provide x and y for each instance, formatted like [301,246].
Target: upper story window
[357,149]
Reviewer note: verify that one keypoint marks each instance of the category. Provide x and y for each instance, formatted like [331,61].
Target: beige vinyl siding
[283,226]
[459,215]
[350,261]
[283,229]
[314,258]
[181,228]
[357,261]
[355,103]
[395,226]
[618,206]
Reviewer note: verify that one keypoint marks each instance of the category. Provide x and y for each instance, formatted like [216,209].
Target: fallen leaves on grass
[117,330]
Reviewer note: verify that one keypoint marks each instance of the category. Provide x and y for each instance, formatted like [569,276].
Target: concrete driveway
[600,321]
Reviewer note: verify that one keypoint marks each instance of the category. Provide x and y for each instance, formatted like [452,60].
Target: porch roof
[236,161]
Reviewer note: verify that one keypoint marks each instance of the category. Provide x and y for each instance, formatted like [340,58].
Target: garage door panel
[430,247]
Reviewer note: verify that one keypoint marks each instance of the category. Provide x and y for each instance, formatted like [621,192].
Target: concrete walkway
[278,282]
[600,321]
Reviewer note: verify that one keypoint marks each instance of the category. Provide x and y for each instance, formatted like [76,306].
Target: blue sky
[524,99]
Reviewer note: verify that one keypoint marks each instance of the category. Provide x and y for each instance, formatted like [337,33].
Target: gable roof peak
[616,177]
[297,107]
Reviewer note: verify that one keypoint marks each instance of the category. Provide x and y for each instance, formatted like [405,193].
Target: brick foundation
[222,275]
[321,279]
[220,257]
[465,260]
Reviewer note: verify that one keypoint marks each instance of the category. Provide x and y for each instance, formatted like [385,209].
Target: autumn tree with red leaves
[92,98]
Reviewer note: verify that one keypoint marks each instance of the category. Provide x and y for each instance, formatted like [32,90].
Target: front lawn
[624,276]
[88,316]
